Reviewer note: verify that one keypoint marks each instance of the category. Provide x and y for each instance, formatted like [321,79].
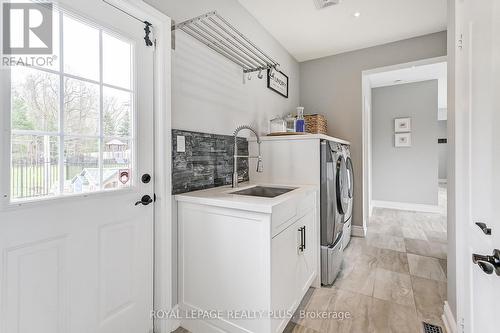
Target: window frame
[6,124]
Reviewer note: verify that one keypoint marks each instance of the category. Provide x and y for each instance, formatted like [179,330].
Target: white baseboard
[200,326]
[406,206]
[449,321]
[358,231]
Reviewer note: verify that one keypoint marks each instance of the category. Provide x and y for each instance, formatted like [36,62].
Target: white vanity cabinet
[248,261]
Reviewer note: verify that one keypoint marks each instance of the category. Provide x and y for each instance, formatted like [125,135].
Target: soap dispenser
[300,123]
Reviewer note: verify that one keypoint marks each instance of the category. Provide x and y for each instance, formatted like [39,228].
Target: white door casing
[84,263]
[477,161]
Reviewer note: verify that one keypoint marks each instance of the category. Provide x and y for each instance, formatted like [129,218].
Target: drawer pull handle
[302,245]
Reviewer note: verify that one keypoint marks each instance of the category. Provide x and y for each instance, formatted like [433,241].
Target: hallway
[391,281]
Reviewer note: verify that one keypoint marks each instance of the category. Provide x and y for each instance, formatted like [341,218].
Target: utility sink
[263,191]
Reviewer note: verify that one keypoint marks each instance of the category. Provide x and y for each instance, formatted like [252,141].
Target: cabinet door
[293,268]
[306,259]
[285,249]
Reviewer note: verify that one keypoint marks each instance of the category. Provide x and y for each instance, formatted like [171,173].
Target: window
[72,122]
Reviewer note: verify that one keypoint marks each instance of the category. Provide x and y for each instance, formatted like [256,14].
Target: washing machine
[334,205]
[350,194]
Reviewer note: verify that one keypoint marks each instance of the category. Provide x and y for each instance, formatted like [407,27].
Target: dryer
[350,195]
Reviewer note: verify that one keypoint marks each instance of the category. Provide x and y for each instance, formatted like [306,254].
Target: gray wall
[408,175]
[443,150]
[207,90]
[332,85]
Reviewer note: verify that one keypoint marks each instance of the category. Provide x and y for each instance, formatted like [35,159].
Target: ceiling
[308,33]
[437,71]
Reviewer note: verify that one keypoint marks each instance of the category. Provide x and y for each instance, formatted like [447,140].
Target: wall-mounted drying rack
[218,34]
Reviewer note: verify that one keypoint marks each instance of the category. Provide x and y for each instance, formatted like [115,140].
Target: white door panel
[83,263]
[478,83]
[34,276]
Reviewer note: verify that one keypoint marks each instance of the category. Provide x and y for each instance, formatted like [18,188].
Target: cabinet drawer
[306,204]
[290,211]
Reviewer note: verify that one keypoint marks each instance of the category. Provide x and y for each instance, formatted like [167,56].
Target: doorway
[77,216]
[399,76]
[405,163]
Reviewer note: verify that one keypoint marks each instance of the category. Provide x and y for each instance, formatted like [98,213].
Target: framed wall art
[402,125]
[402,140]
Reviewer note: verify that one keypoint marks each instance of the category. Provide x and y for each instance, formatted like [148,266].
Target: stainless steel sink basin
[263,191]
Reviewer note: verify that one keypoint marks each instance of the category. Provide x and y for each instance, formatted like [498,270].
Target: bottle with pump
[300,123]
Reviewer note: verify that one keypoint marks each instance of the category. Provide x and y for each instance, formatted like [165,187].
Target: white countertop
[222,197]
[300,137]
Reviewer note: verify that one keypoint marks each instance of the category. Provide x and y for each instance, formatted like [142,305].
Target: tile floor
[390,281]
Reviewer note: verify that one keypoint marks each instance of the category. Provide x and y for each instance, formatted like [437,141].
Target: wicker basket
[315,123]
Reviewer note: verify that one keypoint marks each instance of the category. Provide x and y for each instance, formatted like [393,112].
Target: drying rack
[218,34]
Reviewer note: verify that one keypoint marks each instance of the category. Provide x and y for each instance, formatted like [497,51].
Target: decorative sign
[124,176]
[278,82]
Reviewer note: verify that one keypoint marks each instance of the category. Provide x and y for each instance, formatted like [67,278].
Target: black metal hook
[147,30]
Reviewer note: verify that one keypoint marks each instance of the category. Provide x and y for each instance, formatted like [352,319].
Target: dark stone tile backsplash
[207,162]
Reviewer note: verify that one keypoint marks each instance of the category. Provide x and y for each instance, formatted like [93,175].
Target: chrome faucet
[236,156]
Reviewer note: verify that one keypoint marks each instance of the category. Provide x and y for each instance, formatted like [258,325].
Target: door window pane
[54,62]
[117,112]
[56,44]
[116,61]
[34,100]
[67,138]
[116,164]
[81,165]
[34,166]
[81,49]
[81,107]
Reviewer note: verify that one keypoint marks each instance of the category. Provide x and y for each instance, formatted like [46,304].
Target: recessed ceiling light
[356,14]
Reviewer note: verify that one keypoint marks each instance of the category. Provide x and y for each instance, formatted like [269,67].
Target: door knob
[484,228]
[145,200]
[488,264]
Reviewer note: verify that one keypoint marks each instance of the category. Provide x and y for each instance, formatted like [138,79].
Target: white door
[76,253]
[478,144]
